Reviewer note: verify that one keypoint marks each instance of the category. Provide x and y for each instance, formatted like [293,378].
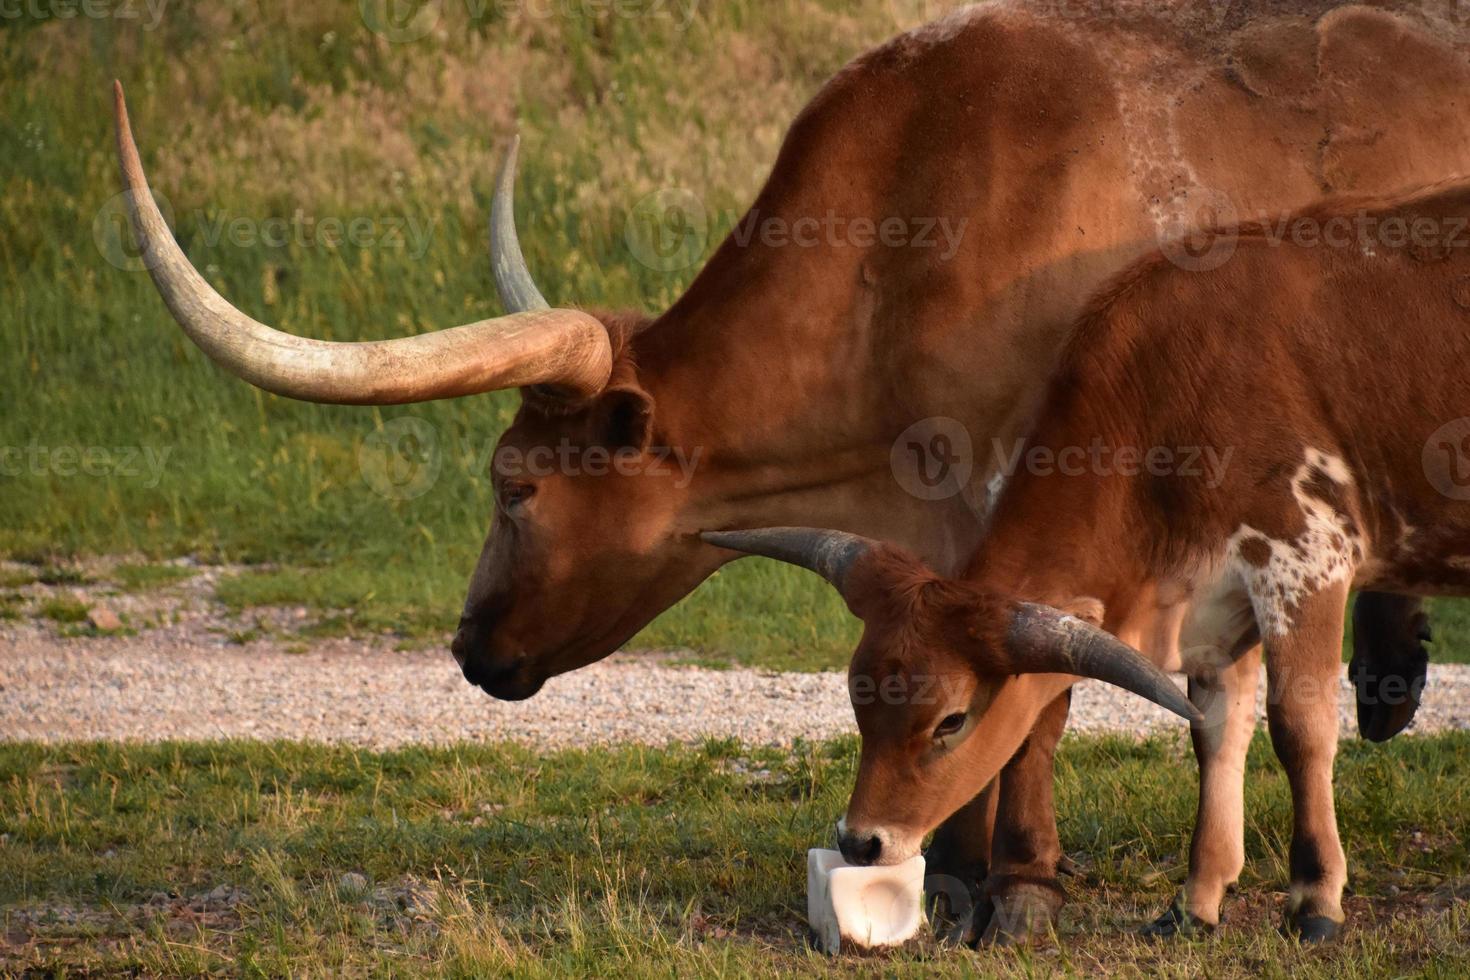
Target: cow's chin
[525,678]
[516,687]
[513,682]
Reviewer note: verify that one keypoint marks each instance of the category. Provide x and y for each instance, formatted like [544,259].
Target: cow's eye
[950,725]
[515,494]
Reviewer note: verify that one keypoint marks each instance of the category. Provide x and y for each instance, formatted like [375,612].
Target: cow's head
[584,548]
[587,544]
[946,682]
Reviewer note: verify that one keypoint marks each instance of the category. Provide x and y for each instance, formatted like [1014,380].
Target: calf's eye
[950,725]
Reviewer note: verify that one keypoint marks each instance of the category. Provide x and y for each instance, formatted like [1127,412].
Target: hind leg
[1227,699]
[1302,677]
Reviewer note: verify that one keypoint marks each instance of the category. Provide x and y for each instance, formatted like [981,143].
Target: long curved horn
[566,349]
[831,554]
[518,292]
[1044,640]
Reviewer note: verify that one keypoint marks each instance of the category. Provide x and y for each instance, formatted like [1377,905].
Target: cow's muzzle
[503,678]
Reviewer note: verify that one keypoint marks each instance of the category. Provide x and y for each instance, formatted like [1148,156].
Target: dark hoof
[958,913]
[1313,929]
[1177,921]
[1023,911]
[1389,662]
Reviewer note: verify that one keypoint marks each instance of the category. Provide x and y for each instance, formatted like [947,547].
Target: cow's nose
[461,645]
[860,849]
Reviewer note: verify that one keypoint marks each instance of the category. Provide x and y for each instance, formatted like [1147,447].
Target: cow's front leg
[1026,851]
[956,865]
[1227,699]
[1301,707]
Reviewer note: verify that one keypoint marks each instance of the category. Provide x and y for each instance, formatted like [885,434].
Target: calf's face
[947,681]
[938,712]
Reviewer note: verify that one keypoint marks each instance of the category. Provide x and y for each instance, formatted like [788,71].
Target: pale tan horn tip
[127,150]
[119,107]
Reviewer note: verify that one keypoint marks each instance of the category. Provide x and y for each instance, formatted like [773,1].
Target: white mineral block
[866,907]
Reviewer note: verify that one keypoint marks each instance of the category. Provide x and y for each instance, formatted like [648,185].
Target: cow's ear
[622,418]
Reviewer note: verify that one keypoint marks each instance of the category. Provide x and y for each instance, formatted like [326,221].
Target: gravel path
[194,671]
[169,684]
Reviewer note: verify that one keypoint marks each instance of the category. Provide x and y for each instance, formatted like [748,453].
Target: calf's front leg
[992,867]
[956,865]
[1026,851]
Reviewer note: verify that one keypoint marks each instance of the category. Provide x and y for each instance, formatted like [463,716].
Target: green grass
[485,859]
[11,604]
[63,610]
[15,578]
[145,577]
[56,576]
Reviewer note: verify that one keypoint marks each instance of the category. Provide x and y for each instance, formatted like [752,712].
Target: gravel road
[172,683]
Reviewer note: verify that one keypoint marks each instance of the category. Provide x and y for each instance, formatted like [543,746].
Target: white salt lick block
[866,907]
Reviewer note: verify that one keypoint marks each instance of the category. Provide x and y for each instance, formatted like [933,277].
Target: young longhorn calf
[1325,375]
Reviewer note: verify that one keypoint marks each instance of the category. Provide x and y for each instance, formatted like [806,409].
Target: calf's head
[947,681]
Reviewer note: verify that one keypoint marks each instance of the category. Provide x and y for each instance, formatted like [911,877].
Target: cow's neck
[791,444]
[1065,525]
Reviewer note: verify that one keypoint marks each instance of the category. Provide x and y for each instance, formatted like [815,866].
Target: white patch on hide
[1219,614]
[1323,555]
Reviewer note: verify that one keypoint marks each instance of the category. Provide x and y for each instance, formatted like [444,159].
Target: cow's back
[1338,333]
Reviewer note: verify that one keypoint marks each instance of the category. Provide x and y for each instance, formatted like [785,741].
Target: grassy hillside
[267,128]
[328,169]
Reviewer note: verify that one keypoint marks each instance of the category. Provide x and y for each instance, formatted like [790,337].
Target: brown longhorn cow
[1322,366]
[1061,138]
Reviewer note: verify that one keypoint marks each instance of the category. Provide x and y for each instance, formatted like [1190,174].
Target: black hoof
[1177,921]
[1389,663]
[1023,910]
[958,912]
[1314,929]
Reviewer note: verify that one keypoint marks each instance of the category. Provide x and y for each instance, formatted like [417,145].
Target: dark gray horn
[1044,640]
[518,292]
[831,554]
